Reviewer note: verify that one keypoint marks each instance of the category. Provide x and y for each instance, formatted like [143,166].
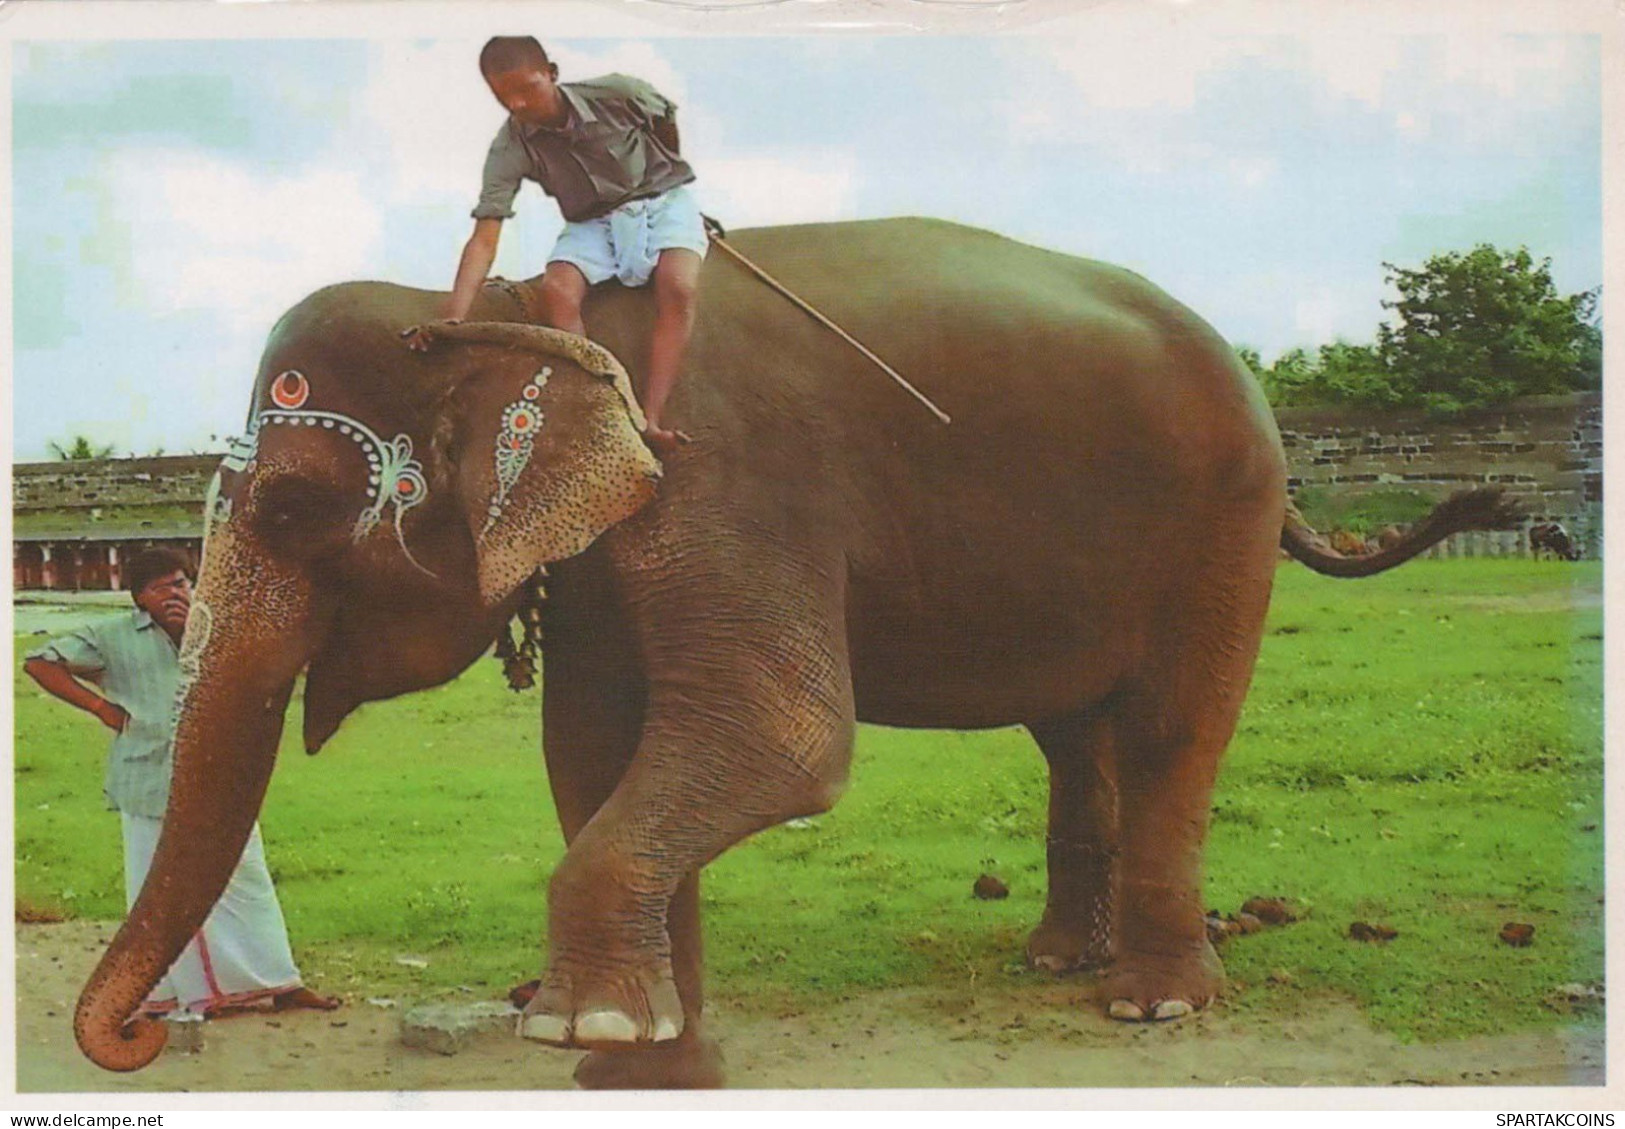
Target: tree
[80,447]
[1484,327]
[1290,379]
[1339,373]
[1356,374]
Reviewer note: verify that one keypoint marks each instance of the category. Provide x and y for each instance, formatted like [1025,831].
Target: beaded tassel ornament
[519,662]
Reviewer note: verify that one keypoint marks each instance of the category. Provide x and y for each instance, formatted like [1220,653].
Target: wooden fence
[1509,543]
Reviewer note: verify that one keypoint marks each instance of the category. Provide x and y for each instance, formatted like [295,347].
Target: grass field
[1422,749]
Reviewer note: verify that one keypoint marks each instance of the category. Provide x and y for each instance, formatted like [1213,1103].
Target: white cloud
[210,234]
[638,58]
[1124,67]
[1118,70]
[1252,172]
[1328,313]
[436,117]
[793,187]
[1413,127]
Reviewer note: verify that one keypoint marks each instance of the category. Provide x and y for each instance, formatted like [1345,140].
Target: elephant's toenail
[1051,963]
[545,1028]
[665,1030]
[605,1027]
[1126,1009]
[1171,1009]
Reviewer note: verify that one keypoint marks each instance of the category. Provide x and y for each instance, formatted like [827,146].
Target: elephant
[1087,550]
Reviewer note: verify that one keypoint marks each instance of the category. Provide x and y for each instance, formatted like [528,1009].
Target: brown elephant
[822,552]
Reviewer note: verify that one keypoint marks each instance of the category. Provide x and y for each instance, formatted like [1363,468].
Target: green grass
[1363,514]
[1421,749]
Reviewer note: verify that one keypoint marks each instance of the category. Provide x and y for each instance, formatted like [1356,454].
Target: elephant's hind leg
[1170,731]
[1081,849]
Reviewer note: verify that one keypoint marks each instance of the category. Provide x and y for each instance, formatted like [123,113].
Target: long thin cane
[714,231]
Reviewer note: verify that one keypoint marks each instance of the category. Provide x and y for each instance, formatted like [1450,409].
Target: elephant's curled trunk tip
[117,1045]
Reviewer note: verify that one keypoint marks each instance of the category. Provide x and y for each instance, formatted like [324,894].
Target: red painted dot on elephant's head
[405,486]
[290,390]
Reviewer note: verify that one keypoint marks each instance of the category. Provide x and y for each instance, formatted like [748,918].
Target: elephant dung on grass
[1088,550]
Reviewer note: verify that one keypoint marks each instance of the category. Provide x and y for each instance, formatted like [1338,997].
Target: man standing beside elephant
[241,954]
[607,151]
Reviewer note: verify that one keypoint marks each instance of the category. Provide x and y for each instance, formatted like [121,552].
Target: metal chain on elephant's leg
[519,662]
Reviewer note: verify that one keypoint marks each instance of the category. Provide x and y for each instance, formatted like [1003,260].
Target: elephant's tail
[1483,508]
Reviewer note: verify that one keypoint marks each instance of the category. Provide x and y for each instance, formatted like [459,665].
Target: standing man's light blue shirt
[136,666]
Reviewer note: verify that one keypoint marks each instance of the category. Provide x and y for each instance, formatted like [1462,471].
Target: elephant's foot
[690,1062]
[1145,986]
[608,1013]
[1054,947]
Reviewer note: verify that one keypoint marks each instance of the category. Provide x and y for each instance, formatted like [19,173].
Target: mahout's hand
[418,338]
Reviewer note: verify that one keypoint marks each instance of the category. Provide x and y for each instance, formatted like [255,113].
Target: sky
[171,198]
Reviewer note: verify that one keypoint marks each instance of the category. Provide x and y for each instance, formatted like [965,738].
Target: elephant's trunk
[237,678]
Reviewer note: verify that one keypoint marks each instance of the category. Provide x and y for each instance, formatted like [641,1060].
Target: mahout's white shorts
[626,244]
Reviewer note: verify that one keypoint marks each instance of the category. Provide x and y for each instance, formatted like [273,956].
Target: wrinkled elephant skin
[1087,550]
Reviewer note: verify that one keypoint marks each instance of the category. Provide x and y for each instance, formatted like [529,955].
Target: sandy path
[1044,1035]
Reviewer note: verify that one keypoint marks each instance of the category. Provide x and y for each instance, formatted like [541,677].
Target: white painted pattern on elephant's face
[516,440]
[216,508]
[199,628]
[605,475]
[395,479]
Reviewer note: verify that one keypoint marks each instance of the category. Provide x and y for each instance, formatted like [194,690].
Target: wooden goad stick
[714,231]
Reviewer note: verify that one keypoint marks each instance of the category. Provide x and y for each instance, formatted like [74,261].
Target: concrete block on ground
[185,1034]
[446,1028]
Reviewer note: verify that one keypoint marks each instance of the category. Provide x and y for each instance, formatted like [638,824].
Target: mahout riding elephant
[1088,549]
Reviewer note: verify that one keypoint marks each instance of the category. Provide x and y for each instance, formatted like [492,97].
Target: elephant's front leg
[592,721]
[749,722]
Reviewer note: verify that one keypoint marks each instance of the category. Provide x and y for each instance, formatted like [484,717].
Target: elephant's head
[372,529]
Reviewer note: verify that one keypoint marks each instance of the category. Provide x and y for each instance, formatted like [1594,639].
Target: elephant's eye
[298,508]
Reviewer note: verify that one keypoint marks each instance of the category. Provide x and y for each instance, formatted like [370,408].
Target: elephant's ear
[545,445]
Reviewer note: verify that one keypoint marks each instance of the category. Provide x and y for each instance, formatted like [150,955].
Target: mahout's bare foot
[664,442]
[690,1062]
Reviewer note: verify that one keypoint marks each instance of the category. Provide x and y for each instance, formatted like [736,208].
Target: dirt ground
[1044,1036]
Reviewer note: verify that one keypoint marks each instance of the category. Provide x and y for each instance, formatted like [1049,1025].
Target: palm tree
[80,448]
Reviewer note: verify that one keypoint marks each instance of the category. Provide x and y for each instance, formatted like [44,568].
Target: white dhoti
[241,954]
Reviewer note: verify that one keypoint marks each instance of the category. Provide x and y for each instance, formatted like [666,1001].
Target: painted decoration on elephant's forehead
[395,480]
[516,439]
[290,390]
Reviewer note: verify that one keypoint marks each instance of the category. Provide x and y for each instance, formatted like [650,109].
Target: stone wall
[95,483]
[1546,450]
[75,523]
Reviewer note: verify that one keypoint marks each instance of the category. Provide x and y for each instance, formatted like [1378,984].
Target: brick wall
[1546,450]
